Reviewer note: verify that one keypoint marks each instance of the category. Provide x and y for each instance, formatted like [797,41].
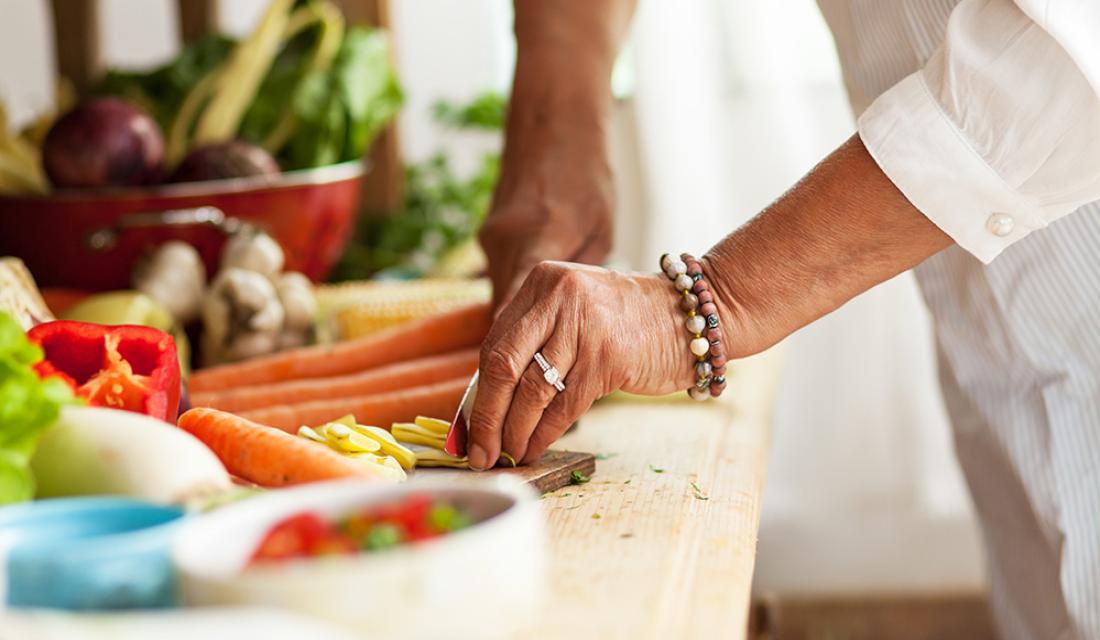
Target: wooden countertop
[635,553]
[641,553]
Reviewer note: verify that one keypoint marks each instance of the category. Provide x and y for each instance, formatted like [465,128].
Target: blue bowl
[88,553]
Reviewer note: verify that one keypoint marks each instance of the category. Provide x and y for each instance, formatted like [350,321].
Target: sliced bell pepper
[124,367]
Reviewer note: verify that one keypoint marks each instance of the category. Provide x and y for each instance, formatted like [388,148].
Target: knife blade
[460,426]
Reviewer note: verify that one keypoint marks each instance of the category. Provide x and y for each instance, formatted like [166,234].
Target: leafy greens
[28,405]
[441,210]
[335,110]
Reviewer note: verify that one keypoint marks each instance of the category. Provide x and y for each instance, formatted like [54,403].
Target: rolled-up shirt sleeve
[999,134]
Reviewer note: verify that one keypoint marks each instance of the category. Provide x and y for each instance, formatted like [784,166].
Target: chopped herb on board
[595,516]
[627,481]
[605,456]
[655,469]
[576,477]
[697,492]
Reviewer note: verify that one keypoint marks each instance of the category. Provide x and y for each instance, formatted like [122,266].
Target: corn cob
[354,310]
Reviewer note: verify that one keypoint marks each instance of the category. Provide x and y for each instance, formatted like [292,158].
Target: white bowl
[483,581]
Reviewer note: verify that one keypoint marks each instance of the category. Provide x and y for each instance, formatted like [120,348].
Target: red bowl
[90,240]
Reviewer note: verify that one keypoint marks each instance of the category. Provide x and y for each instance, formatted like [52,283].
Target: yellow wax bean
[412,438]
[433,424]
[390,445]
[433,458]
[358,443]
[337,431]
[310,434]
[409,427]
[410,433]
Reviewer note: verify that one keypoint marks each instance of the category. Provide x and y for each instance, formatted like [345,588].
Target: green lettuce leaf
[28,406]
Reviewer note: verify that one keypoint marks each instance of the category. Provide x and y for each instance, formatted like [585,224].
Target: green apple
[131,307]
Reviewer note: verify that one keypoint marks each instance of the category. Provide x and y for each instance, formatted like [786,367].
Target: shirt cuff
[931,162]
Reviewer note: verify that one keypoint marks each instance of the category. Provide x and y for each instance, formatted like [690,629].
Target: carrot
[381,409]
[388,378]
[458,329]
[268,457]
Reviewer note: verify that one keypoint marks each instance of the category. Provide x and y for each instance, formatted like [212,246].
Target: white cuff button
[1000,224]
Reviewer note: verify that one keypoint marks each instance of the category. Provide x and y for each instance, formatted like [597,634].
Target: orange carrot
[381,409]
[268,457]
[458,329]
[402,375]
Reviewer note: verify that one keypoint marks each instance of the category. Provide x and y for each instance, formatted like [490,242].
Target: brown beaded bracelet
[702,323]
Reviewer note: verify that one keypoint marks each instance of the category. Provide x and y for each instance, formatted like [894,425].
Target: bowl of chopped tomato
[419,560]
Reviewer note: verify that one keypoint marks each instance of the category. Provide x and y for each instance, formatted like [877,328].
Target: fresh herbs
[697,492]
[655,469]
[576,477]
[28,405]
[441,212]
[487,111]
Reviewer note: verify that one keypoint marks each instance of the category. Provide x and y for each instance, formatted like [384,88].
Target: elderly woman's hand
[602,330]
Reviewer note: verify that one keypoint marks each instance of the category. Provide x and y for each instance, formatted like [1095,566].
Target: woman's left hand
[602,330]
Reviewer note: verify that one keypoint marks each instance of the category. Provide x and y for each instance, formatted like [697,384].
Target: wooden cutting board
[551,472]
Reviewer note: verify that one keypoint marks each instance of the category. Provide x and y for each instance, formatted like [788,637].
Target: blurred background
[721,106]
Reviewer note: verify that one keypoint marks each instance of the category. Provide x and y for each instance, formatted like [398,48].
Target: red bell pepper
[124,367]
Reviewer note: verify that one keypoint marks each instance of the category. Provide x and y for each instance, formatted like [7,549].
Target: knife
[460,426]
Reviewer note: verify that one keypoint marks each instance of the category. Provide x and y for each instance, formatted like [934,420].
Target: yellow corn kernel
[357,309]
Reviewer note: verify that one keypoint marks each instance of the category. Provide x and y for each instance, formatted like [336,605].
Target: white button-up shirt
[998,134]
[985,114]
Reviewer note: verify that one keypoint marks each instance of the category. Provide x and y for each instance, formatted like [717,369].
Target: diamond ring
[549,373]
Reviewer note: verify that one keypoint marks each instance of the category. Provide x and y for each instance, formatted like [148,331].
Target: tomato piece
[293,537]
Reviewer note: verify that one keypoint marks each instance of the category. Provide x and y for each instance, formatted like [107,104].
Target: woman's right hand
[602,330]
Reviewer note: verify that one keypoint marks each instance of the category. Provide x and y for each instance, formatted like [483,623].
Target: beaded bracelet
[702,323]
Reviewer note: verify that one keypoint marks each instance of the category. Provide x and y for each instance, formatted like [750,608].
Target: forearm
[841,230]
[565,53]
[555,196]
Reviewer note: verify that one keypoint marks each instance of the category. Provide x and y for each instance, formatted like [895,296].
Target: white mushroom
[174,276]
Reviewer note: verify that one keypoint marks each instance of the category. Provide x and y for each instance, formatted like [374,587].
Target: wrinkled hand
[601,329]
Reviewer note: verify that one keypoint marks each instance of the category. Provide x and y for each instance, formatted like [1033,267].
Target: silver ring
[549,373]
